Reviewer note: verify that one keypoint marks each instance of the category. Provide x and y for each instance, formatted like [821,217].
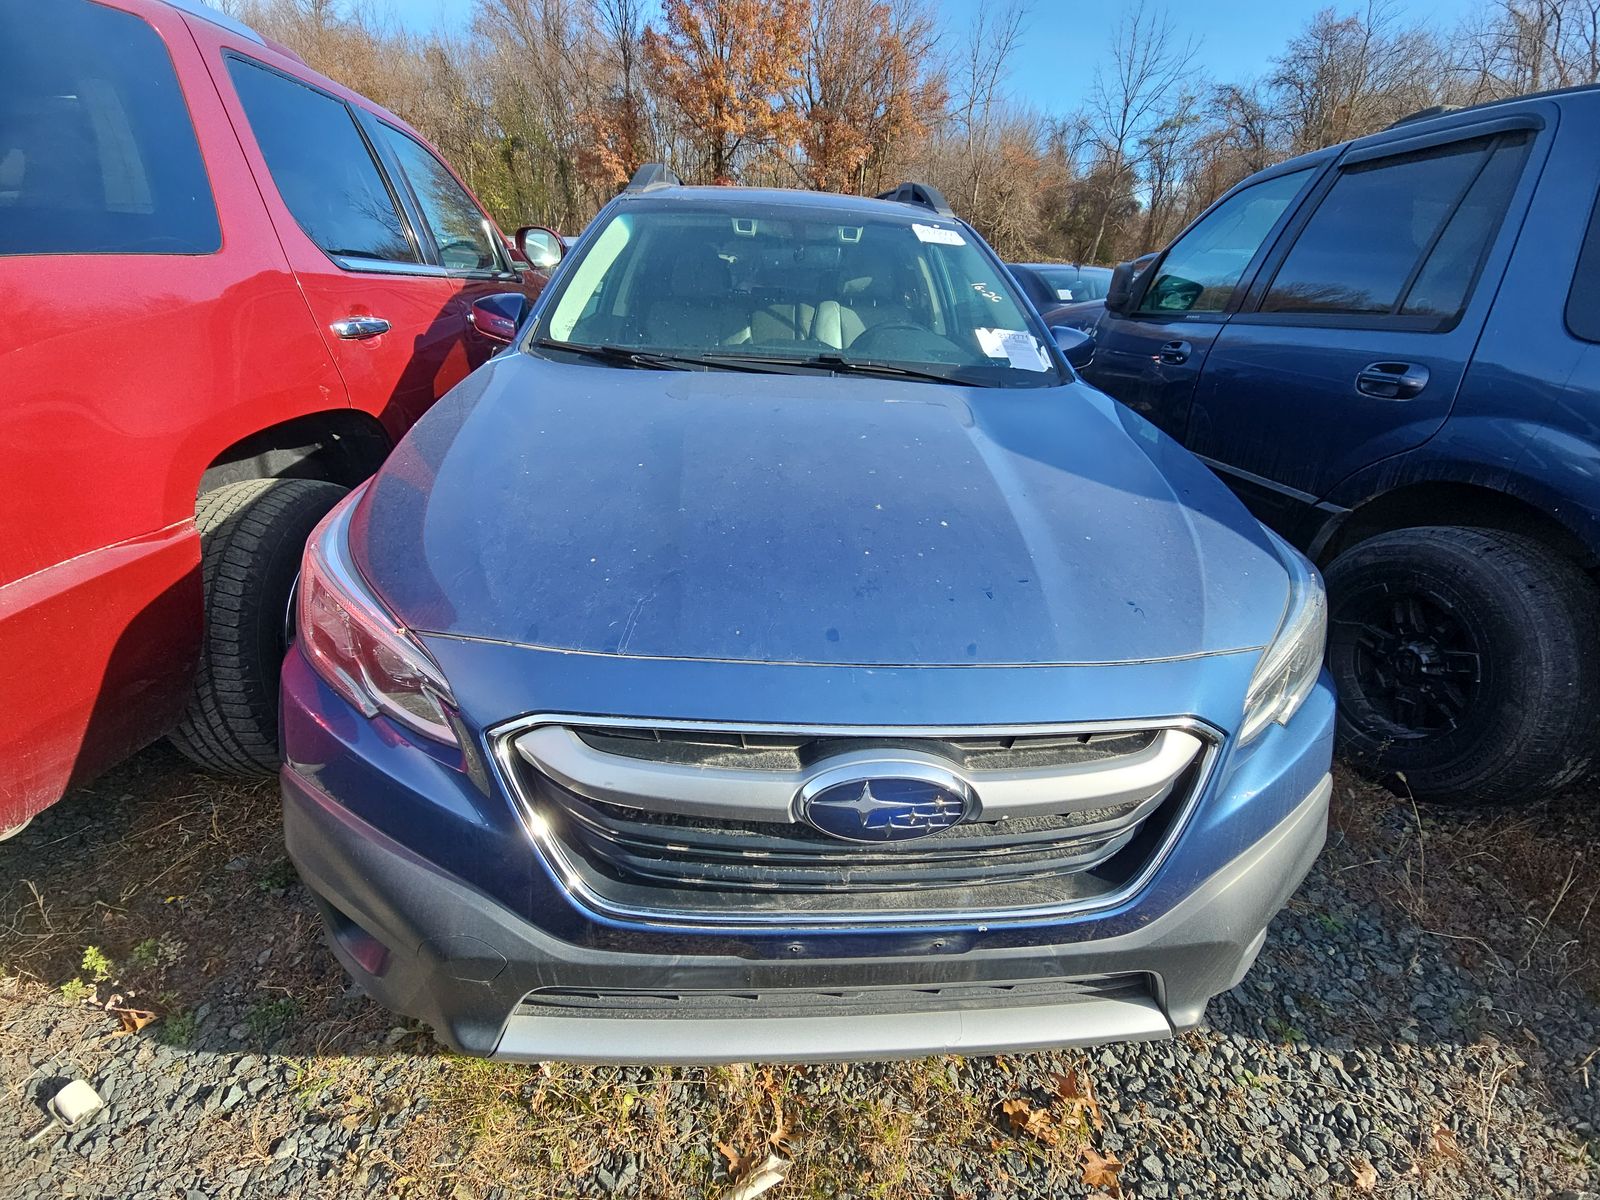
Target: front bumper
[424,942]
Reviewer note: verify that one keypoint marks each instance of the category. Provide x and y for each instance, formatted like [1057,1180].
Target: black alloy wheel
[1467,663]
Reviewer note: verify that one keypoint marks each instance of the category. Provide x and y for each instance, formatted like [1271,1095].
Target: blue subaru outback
[777,652]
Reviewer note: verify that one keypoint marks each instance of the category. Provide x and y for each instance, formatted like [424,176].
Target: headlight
[1291,664]
[362,652]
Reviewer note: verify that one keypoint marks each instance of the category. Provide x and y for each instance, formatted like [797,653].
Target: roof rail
[652,176]
[923,194]
[1422,114]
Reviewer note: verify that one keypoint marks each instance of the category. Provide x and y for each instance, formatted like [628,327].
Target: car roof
[1441,117]
[782,198]
[195,8]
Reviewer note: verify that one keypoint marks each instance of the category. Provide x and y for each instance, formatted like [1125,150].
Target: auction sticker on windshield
[1017,346]
[938,235]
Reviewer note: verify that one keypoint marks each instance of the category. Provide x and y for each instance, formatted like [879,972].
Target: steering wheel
[872,332]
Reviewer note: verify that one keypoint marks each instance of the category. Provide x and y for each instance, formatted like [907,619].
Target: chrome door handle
[1392,380]
[354,329]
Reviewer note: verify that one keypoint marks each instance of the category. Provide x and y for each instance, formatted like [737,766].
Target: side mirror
[540,246]
[1076,345]
[498,316]
[1124,293]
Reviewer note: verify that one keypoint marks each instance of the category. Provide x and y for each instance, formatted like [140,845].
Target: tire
[1467,663]
[252,534]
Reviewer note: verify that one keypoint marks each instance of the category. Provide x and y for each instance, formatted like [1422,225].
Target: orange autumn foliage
[731,69]
[868,88]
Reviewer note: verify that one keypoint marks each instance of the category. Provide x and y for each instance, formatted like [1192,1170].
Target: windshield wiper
[649,359]
[838,364]
[835,364]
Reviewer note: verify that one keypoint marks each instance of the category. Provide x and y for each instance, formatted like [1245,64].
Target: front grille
[672,850]
[830,1002]
[738,750]
[701,821]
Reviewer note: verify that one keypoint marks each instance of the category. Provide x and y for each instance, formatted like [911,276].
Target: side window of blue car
[1402,237]
[1202,270]
[1583,302]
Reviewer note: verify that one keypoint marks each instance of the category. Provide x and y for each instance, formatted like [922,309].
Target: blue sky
[1054,68]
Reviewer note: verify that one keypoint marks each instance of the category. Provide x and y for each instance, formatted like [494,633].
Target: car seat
[695,307]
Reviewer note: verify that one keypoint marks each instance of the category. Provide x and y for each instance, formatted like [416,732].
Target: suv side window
[1202,270]
[1583,302]
[460,230]
[1401,237]
[322,167]
[97,150]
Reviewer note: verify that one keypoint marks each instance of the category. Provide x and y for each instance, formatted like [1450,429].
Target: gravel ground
[1423,1022]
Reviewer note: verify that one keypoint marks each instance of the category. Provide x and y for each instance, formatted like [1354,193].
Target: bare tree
[979,101]
[1343,77]
[1520,46]
[1132,97]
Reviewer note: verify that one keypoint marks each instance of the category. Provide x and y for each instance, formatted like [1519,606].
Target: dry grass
[1458,874]
[692,1129]
[125,868]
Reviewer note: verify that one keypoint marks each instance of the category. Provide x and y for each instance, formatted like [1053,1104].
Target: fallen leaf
[132,1020]
[1365,1176]
[1444,1143]
[780,1139]
[1079,1096]
[768,1175]
[738,1162]
[1036,1122]
[1101,1170]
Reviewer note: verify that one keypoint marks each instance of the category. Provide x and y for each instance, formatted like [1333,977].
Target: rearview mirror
[1075,345]
[498,316]
[540,246]
[1122,294]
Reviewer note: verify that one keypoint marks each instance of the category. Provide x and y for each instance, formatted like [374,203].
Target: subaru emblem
[884,801]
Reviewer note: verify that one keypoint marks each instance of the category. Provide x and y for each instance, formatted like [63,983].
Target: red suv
[227,286]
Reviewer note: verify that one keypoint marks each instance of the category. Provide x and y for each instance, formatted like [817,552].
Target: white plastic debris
[70,1109]
[768,1175]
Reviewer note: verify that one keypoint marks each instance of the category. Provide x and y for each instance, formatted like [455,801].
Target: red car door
[389,296]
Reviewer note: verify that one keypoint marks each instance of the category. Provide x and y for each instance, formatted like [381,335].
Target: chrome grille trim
[728,793]
[509,764]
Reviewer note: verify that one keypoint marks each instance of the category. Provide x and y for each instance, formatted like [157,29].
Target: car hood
[809,519]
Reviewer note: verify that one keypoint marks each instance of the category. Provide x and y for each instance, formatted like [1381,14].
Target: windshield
[753,285]
[1075,284]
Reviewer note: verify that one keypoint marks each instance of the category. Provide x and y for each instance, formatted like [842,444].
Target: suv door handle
[354,329]
[1175,352]
[1391,380]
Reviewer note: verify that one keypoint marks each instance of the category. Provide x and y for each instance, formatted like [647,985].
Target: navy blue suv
[778,652]
[1391,350]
